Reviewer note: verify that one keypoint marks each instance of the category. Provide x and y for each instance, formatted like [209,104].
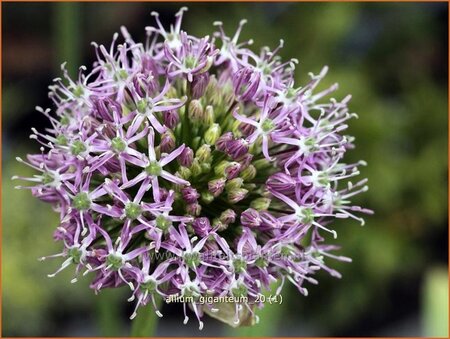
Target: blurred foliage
[28,225]
[391,57]
[436,303]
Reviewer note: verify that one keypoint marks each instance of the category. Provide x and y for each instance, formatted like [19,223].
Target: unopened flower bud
[195,168]
[243,128]
[186,157]
[212,134]
[221,143]
[236,148]
[246,160]
[234,183]
[219,225]
[260,204]
[208,116]
[219,169]
[172,92]
[195,111]
[199,84]
[203,154]
[261,164]
[232,170]
[201,226]
[228,216]
[194,209]
[207,197]
[190,195]
[206,167]
[184,172]
[163,193]
[216,186]
[249,173]
[171,118]
[167,142]
[250,218]
[237,195]
[228,97]
[211,88]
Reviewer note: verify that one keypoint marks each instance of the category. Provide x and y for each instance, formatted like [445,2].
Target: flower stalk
[146,322]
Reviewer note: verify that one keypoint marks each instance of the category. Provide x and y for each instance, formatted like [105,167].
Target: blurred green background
[392,57]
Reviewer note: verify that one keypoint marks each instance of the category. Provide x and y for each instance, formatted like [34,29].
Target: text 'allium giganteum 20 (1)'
[193,167]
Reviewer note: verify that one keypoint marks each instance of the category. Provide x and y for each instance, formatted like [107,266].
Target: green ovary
[81,201]
[78,147]
[118,145]
[149,286]
[115,261]
[154,168]
[75,254]
[163,223]
[133,210]
[239,265]
[239,291]
[268,125]
[192,259]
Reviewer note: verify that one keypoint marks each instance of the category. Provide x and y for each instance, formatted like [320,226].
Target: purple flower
[151,285]
[180,169]
[265,125]
[154,168]
[147,107]
[190,59]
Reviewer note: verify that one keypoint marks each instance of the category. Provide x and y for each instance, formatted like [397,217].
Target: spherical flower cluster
[194,167]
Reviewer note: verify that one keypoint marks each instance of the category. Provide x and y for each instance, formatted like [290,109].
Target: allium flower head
[194,167]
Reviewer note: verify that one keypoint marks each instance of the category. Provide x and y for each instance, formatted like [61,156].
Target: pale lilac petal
[172,156]
[173,178]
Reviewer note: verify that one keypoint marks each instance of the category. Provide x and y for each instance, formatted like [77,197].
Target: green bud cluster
[223,183]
